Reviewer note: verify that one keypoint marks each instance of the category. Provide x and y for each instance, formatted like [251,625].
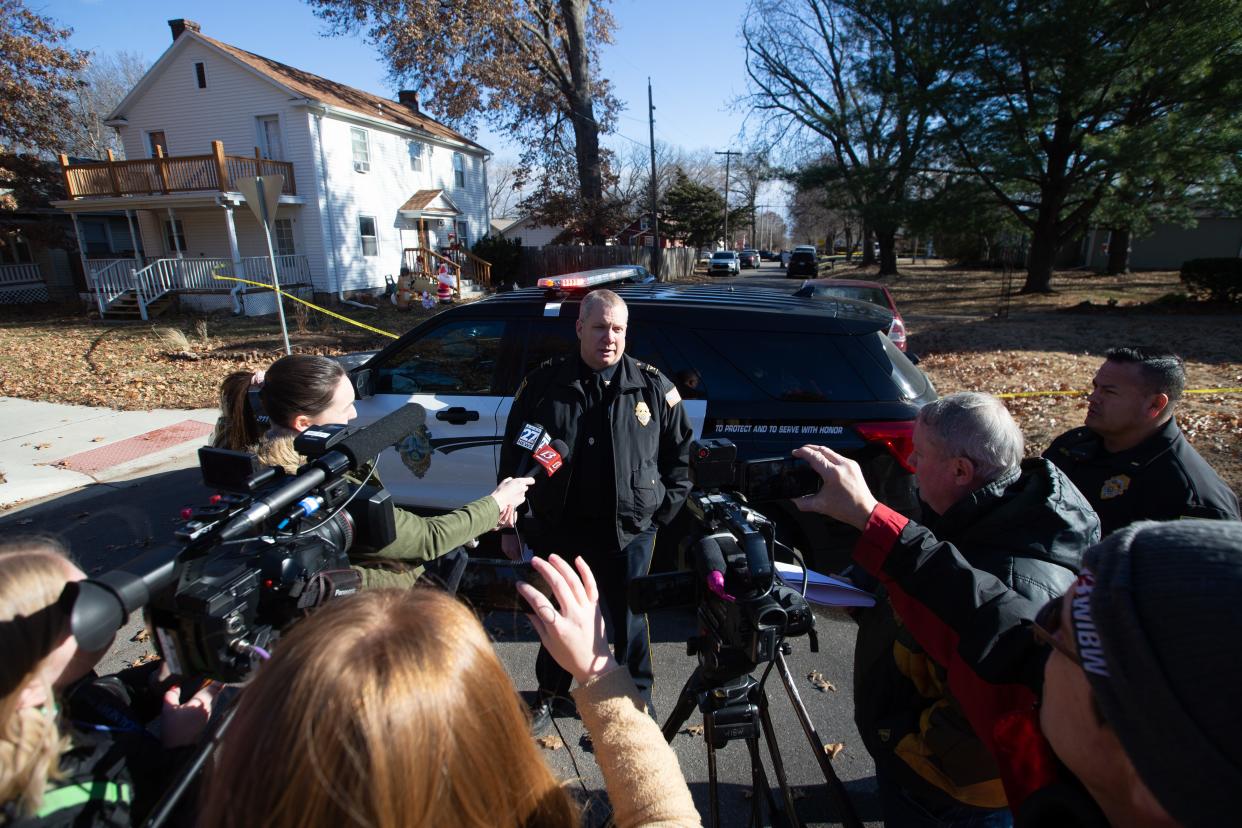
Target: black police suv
[766,370]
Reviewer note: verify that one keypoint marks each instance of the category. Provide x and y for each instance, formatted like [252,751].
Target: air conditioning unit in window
[362,166]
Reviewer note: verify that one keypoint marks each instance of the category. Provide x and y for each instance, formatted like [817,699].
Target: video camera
[744,611]
[264,550]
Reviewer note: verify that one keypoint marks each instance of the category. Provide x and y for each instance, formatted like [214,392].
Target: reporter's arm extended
[644,781]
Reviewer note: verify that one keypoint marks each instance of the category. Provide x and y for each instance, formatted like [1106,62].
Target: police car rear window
[798,367]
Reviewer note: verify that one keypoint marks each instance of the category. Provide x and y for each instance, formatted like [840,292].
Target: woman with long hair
[300,391]
[390,709]
[70,756]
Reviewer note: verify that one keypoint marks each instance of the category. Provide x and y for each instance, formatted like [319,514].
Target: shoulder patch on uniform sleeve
[672,397]
[649,368]
[521,387]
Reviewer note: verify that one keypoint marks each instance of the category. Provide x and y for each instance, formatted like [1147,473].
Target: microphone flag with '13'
[551,457]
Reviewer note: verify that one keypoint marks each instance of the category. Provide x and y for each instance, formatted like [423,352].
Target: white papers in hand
[824,590]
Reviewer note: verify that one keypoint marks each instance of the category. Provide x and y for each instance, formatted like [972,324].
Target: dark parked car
[803,263]
[738,356]
[750,258]
[768,256]
[863,291]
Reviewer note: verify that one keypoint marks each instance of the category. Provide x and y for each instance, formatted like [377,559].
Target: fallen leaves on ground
[692,730]
[144,658]
[141,635]
[821,684]
[552,742]
[833,749]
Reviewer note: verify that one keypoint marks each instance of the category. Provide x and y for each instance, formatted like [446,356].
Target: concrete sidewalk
[48,449]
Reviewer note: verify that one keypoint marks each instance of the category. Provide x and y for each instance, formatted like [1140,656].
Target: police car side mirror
[364,384]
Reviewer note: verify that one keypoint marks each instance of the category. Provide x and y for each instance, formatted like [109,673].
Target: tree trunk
[582,110]
[1118,252]
[888,251]
[1043,252]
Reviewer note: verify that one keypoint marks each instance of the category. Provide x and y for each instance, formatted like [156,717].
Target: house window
[270,142]
[416,155]
[362,149]
[200,72]
[459,169]
[282,239]
[157,143]
[463,232]
[370,237]
[174,240]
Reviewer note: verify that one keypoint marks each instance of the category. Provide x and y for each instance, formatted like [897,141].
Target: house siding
[532,235]
[326,226]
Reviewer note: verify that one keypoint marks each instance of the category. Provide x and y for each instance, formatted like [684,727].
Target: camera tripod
[735,706]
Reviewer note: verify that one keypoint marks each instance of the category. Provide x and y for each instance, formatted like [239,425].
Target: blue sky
[690,48]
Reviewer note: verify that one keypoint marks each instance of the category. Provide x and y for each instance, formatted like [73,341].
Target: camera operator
[1024,523]
[392,709]
[74,749]
[300,391]
[1131,717]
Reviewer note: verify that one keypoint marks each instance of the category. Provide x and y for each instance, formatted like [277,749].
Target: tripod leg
[713,794]
[778,764]
[836,790]
[686,702]
[759,785]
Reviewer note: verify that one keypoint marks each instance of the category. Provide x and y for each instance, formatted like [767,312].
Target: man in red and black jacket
[1113,704]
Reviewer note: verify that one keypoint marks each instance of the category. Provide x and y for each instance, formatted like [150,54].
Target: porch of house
[21,283]
[211,255]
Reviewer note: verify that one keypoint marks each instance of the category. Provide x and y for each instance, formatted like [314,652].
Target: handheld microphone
[531,438]
[550,458]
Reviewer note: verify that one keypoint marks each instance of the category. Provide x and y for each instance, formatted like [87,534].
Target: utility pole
[655,217]
[728,154]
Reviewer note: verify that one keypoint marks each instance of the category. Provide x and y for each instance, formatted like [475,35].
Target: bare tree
[526,66]
[825,68]
[103,83]
[504,189]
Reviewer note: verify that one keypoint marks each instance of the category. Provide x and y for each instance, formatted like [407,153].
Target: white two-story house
[370,184]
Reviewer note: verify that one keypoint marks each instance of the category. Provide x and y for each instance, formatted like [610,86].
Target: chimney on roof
[408,97]
[180,26]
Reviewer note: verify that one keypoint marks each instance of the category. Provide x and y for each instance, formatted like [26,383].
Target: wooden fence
[676,263]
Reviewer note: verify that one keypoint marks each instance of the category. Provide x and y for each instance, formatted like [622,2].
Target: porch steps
[125,307]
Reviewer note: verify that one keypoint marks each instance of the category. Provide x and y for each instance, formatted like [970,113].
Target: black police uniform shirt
[1162,478]
[592,490]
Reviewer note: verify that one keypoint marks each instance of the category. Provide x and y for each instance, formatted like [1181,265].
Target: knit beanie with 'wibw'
[1159,638]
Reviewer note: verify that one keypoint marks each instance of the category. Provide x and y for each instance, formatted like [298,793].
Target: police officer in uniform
[1130,459]
[627,474]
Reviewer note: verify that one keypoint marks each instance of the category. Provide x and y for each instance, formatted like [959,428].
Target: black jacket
[977,627]
[1028,528]
[650,444]
[1162,478]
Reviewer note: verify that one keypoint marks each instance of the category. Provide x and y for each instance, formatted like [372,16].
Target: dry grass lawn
[1045,343]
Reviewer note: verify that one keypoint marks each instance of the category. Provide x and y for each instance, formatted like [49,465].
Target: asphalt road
[106,525]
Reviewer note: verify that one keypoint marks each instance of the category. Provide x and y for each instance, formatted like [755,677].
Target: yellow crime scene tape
[1010,395]
[333,314]
[1017,394]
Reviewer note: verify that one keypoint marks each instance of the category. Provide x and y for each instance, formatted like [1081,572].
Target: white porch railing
[164,275]
[108,283]
[19,274]
[94,266]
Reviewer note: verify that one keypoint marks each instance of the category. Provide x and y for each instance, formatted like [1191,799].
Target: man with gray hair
[1022,521]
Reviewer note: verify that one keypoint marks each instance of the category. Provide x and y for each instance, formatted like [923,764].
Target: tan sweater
[644,781]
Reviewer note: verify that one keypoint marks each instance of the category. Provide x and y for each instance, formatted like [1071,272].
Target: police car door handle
[457,415]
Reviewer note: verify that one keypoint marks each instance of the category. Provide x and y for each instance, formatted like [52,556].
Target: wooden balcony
[165,174]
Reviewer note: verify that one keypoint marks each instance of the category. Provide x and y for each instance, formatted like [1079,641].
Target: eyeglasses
[1047,622]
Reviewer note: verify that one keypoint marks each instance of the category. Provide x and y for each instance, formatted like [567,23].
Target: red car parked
[862,290]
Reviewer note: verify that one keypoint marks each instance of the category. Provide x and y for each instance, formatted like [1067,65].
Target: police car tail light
[897,437]
[897,333]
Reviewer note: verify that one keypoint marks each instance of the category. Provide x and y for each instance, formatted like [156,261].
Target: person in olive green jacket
[300,391]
